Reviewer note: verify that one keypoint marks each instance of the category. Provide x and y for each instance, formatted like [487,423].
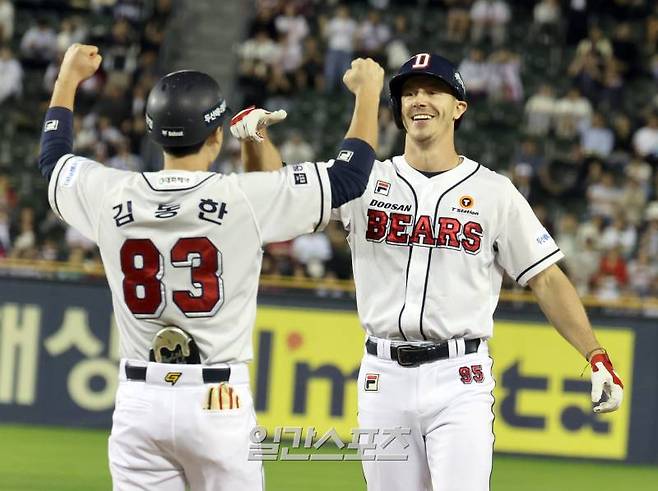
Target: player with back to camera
[430,240]
[182,250]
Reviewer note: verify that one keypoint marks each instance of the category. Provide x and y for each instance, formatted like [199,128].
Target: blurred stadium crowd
[563,98]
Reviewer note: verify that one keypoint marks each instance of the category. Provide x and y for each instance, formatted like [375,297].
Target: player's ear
[460,108]
[216,137]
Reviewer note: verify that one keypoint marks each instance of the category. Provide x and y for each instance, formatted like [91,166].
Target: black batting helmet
[184,108]
[425,64]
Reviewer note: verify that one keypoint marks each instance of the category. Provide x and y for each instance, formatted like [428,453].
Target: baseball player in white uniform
[431,239]
[182,251]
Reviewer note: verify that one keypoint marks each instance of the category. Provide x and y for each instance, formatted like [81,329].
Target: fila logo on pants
[372,382]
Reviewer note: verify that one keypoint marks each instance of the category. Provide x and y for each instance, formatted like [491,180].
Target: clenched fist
[364,74]
[80,62]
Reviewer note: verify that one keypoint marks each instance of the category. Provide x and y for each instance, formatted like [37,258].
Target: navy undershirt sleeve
[56,139]
[349,174]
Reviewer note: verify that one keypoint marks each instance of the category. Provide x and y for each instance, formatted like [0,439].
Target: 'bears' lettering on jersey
[450,233]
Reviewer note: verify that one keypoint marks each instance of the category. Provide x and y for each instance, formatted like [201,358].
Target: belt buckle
[407,349]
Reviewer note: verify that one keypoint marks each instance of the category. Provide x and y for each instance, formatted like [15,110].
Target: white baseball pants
[163,438]
[447,405]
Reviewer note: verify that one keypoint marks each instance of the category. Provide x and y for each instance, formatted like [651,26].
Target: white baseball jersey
[185,248]
[429,253]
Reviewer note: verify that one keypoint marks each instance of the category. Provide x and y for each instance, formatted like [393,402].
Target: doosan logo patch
[51,125]
[372,382]
[382,187]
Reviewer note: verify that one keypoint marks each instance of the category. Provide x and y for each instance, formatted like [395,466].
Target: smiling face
[428,107]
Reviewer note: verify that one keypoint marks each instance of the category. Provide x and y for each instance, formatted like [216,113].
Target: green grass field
[59,459]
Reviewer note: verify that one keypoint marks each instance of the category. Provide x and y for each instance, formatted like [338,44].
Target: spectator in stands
[71,30]
[264,21]
[476,72]
[256,55]
[131,10]
[340,32]
[584,265]
[645,139]
[310,74]
[572,112]
[124,159]
[640,171]
[641,273]
[623,130]
[295,149]
[625,49]
[24,244]
[490,18]
[11,81]
[121,52]
[528,153]
[633,200]
[522,178]
[546,20]
[612,276]
[292,24]
[75,240]
[539,111]
[113,103]
[6,21]
[620,235]
[289,60]
[397,49]
[312,251]
[586,70]
[603,196]
[612,85]
[457,20]
[577,18]
[39,44]
[597,139]
[373,34]
[590,231]
[596,44]
[505,77]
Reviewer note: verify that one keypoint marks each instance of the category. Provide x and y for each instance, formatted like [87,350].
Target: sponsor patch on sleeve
[51,125]
[345,155]
[71,173]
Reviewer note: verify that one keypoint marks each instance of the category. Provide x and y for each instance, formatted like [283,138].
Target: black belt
[210,375]
[408,355]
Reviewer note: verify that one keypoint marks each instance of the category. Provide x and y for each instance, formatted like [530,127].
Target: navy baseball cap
[428,64]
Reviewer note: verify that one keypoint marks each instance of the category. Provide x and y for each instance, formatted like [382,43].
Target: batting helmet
[184,108]
[425,64]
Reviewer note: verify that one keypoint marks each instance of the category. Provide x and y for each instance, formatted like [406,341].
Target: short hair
[184,151]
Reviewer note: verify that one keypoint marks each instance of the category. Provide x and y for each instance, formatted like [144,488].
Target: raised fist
[364,74]
[80,62]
